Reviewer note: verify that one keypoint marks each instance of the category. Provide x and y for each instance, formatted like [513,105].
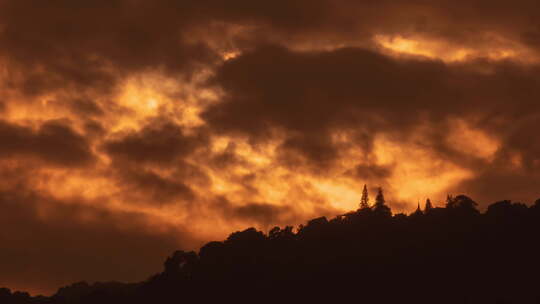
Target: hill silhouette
[454,254]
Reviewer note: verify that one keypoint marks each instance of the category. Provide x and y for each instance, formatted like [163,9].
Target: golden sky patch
[500,49]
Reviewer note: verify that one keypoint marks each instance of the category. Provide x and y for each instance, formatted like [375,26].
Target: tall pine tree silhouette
[364,201]
[379,200]
[428,206]
[380,204]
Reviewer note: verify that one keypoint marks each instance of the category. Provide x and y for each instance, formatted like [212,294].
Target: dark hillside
[438,255]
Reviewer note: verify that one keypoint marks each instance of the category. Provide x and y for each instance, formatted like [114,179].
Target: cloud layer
[129,128]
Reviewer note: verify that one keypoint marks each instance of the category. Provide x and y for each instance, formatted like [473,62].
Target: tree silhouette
[428,206]
[459,254]
[380,207]
[180,262]
[418,211]
[364,200]
[379,199]
[462,203]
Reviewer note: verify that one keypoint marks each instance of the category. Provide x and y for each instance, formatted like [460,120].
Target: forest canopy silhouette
[450,254]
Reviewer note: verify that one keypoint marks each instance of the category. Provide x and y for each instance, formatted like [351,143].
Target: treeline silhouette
[454,254]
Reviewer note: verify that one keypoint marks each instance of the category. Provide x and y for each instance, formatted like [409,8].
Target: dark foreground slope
[442,255]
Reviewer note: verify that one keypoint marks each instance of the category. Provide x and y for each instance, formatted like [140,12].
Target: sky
[130,128]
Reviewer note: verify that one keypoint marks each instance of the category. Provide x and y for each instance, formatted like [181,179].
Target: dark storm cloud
[267,215]
[370,172]
[513,174]
[85,107]
[262,213]
[227,158]
[312,94]
[74,45]
[471,24]
[53,142]
[522,139]
[501,180]
[304,149]
[255,212]
[160,143]
[157,189]
[318,91]
[66,45]
[511,184]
